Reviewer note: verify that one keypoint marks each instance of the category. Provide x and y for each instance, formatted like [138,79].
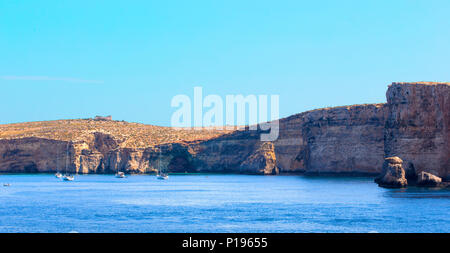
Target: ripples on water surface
[217,203]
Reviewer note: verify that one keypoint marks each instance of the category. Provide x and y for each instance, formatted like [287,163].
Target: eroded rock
[262,161]
[393,174]
[428,179]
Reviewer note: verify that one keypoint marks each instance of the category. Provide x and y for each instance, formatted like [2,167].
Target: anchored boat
[68,178]
[120,174]
[162,173]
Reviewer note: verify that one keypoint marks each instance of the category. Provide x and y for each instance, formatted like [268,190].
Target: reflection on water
[217,203]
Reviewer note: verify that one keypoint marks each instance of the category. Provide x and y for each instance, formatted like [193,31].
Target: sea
[42,203]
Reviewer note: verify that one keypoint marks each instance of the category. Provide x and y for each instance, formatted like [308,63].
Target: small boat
[68,178]
[120,174]
[162,177]
[58,175]
[7,184]
[162,174]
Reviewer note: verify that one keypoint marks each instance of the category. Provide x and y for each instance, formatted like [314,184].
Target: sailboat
[67,177]
[162,174]
[58,174]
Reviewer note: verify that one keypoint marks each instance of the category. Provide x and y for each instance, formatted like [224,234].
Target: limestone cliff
[33,155]
[346,140]
[262,161]
[413,125]
[418,126]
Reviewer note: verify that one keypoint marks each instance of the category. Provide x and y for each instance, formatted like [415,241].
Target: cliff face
[33,155]
[417,126]
[291,146]
[414,125]
[93,146]
[335,140]
[344,140]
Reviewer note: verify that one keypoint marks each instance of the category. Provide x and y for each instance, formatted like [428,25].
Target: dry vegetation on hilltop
[129,134]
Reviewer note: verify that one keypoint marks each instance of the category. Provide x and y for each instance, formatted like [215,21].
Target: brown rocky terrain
[87,145]
[131,135]
[413,125]
[418,126]
[347,139]
[393,175]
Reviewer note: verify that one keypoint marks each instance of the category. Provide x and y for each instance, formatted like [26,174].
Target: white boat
[68,178]
[162,177]
[58,174]
[120,174]
[162,174]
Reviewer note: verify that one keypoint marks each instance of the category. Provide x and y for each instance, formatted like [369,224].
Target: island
[413,126]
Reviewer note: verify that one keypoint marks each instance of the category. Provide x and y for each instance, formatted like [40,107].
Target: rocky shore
[393,175]
[413,126]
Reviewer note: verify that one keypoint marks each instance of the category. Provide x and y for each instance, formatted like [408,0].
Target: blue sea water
[217,203]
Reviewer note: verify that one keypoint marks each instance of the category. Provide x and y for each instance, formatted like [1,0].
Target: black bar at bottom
[205,242]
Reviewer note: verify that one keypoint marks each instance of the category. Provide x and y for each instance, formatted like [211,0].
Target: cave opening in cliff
[180,164]
[30,168]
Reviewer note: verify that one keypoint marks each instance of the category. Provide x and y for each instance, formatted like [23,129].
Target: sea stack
[393,174]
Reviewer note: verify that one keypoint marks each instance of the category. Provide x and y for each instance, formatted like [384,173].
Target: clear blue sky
[78,59]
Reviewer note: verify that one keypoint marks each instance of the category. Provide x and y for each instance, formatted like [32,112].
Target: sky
[128,59]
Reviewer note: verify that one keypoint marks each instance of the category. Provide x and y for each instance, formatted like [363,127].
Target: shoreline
[312,175]
[337,141]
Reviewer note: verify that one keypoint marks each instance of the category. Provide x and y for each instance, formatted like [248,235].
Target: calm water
[217,203]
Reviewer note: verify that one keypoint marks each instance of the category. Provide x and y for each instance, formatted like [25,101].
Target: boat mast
[67,157]
[57,160]
[159,162]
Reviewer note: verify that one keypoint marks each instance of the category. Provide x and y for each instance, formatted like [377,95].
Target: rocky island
[412,125]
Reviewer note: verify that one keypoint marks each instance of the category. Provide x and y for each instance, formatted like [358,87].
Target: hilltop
[129,135]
